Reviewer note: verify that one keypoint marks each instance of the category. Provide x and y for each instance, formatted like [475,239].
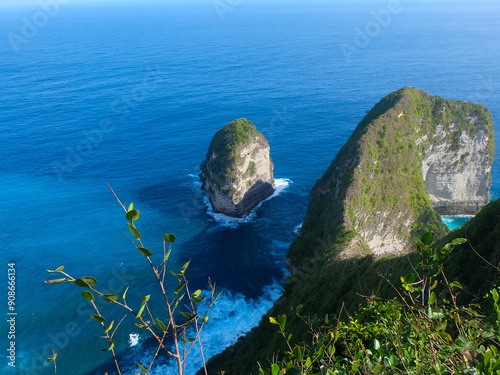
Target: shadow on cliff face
[330,286]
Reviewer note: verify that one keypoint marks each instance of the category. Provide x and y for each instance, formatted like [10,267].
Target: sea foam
[280,185]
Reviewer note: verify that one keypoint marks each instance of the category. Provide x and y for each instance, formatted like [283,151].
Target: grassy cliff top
[228,138]
[222,155]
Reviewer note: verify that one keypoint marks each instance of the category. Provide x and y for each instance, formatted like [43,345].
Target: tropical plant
[422,331]
[184,327]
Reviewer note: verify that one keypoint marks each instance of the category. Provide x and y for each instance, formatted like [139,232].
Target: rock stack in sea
[237,172]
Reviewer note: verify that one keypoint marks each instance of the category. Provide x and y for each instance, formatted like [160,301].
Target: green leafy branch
[154,325]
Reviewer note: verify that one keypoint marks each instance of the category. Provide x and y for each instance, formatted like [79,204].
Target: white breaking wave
[133,339]
[297,228]
[280,184]
[231,317]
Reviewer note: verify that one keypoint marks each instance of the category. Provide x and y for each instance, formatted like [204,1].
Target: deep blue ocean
[131,95]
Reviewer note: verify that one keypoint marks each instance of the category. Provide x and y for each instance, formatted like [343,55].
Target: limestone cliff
[238,171]
[411,156]
[457,173]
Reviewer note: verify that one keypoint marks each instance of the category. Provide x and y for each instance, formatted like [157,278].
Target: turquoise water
[131,96]
[454,222]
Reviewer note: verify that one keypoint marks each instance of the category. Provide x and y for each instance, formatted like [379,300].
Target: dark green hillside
[475,264]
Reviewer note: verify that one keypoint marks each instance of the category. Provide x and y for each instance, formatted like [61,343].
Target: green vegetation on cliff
[222,156]
[424,330]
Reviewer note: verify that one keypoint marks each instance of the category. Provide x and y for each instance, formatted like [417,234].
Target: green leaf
[495,295]
[167,255]
[144,301]
[427,238]
[142,368]
[216,297]
[111,297]
[376,344]
[189,341]
[56,281]
[85,281]
[109,326]
[141,310]
[176,275]
[197,300]
[161,325]
[97,318]
[445,337]
[204,320]
[110,347]
[130,207]
[432,298]
[144,251]
[293,371]
[308,361]
[282,321]
[88,295]
[58,269]
[132,215]
[376,369]
[169,238]
[134,231]
[196,294]
[458,241]
[179,300]
[185,266]
[51,359]
[433,286]
[273,321]
[187,315]
[408,279]
[456,284]
[420,246]
[275,370]
[125,293]
[190,321]
[297,353]
[180,287]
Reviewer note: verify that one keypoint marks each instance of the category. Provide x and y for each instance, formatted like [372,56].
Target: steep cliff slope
[412,156]
[238,171]
[412,152]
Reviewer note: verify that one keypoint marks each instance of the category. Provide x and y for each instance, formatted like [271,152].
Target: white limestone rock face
[238,171]
[458,178]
